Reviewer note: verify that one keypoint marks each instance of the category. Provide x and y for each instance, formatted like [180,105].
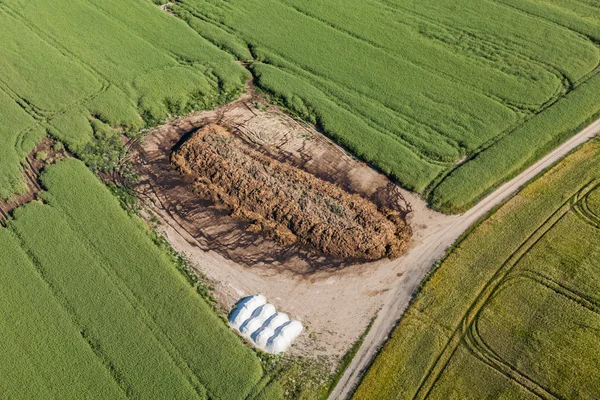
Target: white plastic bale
[266,312]
[277,344]
[277,320]
[256,321]
[291,330]
[257,300]
[262,336]
[241,315]
[245,308]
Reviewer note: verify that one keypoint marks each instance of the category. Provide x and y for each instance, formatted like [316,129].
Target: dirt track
[422,257]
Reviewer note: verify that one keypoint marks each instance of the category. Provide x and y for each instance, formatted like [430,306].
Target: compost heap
[286,203]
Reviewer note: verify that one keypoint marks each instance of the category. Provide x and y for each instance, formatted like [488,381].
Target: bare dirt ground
[335,299]
[165,7]
[286,203]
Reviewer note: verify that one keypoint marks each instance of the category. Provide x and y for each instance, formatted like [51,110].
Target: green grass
[513,311]
[411,87]
[92,306]
[415,87]
[116,301]
[39,338]
[128,64]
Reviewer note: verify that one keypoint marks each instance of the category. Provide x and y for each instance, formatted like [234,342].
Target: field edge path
[431,250]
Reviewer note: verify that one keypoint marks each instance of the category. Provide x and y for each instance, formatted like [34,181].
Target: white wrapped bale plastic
[260,315]
[263,325]
[262,336]
[277,344]
[291,330]
[284,335]
[244,310]
[277,320]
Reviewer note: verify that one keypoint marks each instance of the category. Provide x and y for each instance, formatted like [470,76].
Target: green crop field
[450,99]
[514,310]
[71,68]
[418,87]
[92,308]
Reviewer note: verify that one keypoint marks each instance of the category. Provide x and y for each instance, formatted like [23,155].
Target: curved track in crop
[434,247]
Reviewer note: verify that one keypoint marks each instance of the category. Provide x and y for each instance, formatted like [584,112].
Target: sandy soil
[334,299]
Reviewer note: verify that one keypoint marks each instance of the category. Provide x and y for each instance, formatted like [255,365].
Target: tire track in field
[119,379]
[549,21]
[420,65]
[582,209]
[498,44]
[567,84]
[173,56]
[432,249]
[581,299]
[469,332]
[477,347]
[311,76]
[469,320]
[63,51]
[483,351]
[406,140]
[441,362]
[371,121]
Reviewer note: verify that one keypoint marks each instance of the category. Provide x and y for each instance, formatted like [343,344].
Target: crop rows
[518,297]
[448,100]
[417,88]
[116,300]
[133,68]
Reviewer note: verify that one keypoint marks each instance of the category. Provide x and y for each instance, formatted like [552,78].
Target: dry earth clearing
[334,298]
[287,204]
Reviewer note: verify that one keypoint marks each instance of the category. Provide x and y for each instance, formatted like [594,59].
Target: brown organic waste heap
[286,203]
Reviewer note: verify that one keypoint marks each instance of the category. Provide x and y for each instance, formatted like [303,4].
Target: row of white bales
[260,322]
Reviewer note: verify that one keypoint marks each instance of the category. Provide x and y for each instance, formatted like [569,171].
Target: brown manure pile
[286,203]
